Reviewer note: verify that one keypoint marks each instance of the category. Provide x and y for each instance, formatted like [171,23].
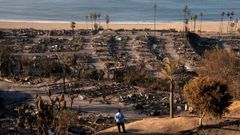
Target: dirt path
[134,54]
[157,126]
[170,48]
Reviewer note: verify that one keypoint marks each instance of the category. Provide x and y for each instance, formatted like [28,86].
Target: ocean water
[118,10]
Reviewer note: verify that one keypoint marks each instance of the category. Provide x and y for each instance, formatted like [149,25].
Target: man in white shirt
[119,118]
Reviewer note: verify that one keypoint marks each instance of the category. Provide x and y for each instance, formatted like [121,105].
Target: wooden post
[171,99]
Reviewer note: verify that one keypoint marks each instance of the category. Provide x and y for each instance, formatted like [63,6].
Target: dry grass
[167,126]
[158,125]
[234,109]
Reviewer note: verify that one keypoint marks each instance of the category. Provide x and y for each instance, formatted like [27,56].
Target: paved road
[13,94]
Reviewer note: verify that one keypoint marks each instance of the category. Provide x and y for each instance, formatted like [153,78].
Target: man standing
[119,118]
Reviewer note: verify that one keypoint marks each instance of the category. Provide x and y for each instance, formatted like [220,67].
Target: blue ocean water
[118,10]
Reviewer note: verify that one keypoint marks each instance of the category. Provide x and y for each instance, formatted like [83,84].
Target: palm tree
[195,17]
[91,17]
[86,17]
[231,19]
[73,25]
[169,67]
[94,17]
[63,60]
[107,20]
[99,19]
[186,21]
[186,12]
[232,14]
[201,15]
[229,16]
[221,24]
[191,27]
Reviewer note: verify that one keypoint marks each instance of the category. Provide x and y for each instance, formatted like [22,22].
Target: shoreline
[102,21]
[207,26]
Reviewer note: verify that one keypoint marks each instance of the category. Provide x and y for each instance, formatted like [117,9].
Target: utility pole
[155,11]
[186,12]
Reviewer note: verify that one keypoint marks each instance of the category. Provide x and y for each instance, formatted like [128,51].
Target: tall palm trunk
[99,21]
[191,25]
[228,26]
[91,23]
[194,25]
[73,33]
[107,21]
[74,63]
[87,22]
[221,26]
[73,25]
[201,25]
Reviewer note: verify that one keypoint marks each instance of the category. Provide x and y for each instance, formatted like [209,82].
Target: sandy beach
[206,26]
